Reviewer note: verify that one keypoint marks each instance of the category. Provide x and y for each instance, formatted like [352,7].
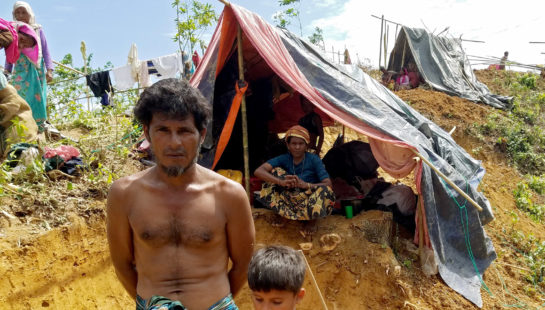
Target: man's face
[25,41]
[276,300]
[174,142]
[297,146]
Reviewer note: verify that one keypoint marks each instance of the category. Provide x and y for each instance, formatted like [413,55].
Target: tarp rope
[465,225]
[464,220]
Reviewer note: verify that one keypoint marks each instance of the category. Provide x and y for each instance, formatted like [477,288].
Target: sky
[110,27]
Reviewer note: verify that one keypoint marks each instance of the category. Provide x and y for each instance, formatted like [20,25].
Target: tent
[395,131]
[443,64]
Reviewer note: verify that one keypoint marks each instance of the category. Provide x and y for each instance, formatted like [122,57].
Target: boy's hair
[174,98]
[276,267]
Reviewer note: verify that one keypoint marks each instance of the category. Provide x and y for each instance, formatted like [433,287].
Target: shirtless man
[173,228]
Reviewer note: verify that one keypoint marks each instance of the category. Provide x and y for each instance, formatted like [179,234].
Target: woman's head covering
[299,132]
[12,51]
[18,4]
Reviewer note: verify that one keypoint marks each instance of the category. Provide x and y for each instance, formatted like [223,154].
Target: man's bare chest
[176,220]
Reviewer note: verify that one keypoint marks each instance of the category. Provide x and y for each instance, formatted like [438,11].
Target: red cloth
[66,152]
[13,51]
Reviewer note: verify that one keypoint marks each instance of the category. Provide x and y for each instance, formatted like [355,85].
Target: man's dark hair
[174,98]
[276,267]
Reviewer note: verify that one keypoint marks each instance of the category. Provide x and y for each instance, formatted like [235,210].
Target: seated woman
[297,186]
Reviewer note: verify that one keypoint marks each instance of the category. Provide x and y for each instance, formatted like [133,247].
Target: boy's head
[275,276]
[26,40]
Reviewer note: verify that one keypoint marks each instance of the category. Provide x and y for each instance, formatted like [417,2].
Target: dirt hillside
[68,266]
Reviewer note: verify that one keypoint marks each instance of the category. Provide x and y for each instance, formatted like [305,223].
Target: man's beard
[176,171]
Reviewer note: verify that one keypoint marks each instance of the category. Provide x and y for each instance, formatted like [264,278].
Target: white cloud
[502,25]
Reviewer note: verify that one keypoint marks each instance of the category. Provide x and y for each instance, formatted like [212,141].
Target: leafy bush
[528,80]
[537,184]
[523,200]
[533,251]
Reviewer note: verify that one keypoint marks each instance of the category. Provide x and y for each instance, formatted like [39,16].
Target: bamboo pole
[68,68]
[389,21]
[83,50]
[243,112]
[314,280]
[444,177]
[403,55]
[386,46]
[420,211]
[380,43]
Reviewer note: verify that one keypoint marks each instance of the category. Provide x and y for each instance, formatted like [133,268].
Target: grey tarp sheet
[443,65]
[360,95]
[448,224]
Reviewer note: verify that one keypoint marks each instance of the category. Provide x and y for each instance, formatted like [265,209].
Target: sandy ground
[68,267]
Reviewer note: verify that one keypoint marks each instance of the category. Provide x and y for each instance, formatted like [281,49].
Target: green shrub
[537,184]
[523,200]
[528,80]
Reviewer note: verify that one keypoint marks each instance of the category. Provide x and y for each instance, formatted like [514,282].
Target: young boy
[275,276]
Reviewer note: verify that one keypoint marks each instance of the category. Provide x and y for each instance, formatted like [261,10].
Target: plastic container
[348,212]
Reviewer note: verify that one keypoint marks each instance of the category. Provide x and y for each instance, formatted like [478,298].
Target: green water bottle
[348,212]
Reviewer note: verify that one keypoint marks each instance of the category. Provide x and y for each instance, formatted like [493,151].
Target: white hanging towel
[169,65]
[123,78]
[143,75]
[133,61]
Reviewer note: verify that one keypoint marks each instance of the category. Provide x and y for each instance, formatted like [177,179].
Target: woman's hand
[49,75]
[300,183]
[289,181]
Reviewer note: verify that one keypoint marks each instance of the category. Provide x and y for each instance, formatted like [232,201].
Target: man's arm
[240,236]
[120,238]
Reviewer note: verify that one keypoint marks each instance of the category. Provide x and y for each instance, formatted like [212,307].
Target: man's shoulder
[222,186]
[129,183]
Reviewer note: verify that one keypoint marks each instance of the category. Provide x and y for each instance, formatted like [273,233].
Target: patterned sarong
[31,85]
[295,203]
[163,303]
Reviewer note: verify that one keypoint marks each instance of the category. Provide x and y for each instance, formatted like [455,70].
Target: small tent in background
[443,64]
[274,58]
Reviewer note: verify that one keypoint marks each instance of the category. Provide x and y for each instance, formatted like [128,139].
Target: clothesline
[114,93]
[67,80]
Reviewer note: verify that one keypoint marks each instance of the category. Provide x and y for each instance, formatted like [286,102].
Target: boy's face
[25,41]
[276,300]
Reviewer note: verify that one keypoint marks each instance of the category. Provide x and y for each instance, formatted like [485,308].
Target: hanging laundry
[105,100]
[143,75]
[99,82]
[123,77]
[196,59]
[151,69]
[133,61]
[169,65]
